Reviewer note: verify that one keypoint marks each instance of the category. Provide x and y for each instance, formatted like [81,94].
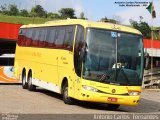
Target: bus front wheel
[66,98]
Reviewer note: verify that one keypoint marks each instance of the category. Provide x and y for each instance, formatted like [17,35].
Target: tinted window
[7,61]
[51,36]
[68,42]
[36,36]
[42,37]
[28,38]
[21,37]
[79,43]
[60,36]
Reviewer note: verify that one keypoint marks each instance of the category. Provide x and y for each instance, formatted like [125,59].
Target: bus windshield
[113,57]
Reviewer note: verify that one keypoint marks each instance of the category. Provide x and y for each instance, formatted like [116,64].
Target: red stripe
[151,43]
[9,30]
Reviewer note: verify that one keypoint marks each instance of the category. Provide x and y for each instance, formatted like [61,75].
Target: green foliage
[105,19]
[24,13]
[67,13]
[13,10]
[143,27]
[38,11]
[23,20]
[52,15]
[82,16]
[156,33]
[4,9]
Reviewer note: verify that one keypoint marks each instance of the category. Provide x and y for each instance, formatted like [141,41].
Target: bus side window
[42,37]
[28,40]
[22,37]
[51,36]
[79,43]
[68,42]
[35,38]
[60,34]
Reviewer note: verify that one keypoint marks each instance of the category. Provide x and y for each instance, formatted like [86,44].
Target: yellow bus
[83,60]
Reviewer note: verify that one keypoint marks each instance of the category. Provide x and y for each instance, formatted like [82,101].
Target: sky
[96,9]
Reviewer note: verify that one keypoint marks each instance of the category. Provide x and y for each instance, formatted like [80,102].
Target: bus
[7,50]
[8,38]
[82,60]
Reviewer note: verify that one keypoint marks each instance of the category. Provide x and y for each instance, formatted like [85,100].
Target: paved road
[14,99]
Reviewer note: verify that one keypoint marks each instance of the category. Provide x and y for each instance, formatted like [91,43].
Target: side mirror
[82,54]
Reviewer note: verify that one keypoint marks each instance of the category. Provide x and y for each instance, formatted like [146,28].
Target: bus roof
[86,24]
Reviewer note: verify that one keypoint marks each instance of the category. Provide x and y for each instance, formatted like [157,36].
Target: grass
[23,20]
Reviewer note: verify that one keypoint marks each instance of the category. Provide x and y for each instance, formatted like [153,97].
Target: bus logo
[113,90]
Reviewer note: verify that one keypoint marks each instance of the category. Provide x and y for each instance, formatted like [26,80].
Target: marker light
[134,93]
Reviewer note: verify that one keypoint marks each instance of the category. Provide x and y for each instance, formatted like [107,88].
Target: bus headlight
[89,88]
[133,93]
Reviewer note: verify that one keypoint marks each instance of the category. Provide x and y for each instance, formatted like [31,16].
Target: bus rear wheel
[66,98]
[113,106]
[31,87]
[24,83]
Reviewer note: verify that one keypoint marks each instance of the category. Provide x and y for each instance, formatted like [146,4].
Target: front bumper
[109,98]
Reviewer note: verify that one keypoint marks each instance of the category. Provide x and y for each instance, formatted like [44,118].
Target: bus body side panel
[66,70]
[42,62]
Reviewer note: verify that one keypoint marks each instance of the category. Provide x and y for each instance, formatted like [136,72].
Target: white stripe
[46,85]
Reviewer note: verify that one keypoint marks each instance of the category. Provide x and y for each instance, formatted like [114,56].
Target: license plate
[111,99]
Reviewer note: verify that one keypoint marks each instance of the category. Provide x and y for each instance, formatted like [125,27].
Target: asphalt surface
[14,99]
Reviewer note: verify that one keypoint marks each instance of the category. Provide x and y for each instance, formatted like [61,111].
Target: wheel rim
[30,81]
[23,81]
[66,93]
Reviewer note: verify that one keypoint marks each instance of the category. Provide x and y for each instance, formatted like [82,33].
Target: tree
[105,19]
[67,13]
[4,9]
[38,11]
[52,15]
[24,13]
[118,19]
[13,10]
[143,27]
[82,16]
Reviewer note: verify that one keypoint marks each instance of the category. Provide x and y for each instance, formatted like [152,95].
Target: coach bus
[83,60]
[7,50]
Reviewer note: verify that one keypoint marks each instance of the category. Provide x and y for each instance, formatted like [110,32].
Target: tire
[24,83]
[66,98]
[31,87]
[113,106]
